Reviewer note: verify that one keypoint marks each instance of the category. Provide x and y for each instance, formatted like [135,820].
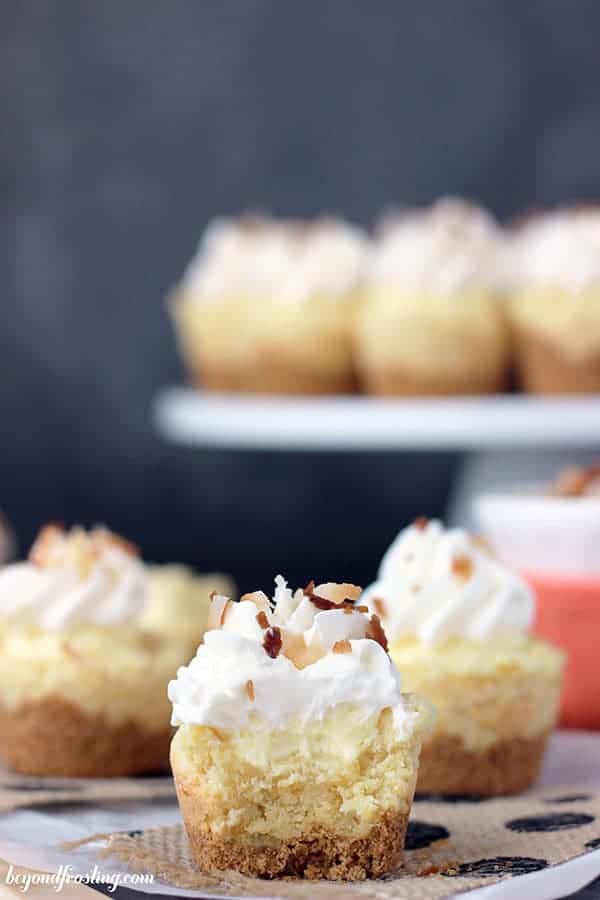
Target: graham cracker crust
[55,737]
[508,767]
[398,382]
[272,379]
[543,369]
[317,854]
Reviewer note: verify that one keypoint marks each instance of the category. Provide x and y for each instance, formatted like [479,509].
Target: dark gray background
[127,124]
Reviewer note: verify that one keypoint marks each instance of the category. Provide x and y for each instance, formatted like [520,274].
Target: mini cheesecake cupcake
[268,306]
[431,322]
[555,303]
[82,684]
[458,623]
[296,753]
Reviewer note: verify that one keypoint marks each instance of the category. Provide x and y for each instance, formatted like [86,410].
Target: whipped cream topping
[270,259]
[445,248]
[435,584]
[74,578]
[560,248]
[298,655]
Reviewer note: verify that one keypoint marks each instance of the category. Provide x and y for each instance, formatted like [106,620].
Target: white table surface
[32,837]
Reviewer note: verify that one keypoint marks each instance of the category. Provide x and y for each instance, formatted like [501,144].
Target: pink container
[568,615]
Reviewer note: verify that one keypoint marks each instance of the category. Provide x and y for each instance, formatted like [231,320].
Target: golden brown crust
[55,737]
[317,854]
[402,383]
[543,369]
[272,378]
[508,767]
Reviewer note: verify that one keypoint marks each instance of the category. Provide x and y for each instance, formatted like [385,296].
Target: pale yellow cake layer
[263,786]
[485,692]
[432,334]
[118,673]
[315,333]
[570,321]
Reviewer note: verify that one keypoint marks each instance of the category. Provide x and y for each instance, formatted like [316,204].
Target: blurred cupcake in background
[431,322]
[551,533]
[82,683]
[458,624]
[178,600]
[268,306]
[555,304]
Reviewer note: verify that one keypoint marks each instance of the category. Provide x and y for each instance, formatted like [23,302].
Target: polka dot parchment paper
[451,846]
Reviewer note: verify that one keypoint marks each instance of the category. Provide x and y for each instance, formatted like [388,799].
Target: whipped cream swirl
[435,584]
[263,259]
[297,656]
[559,248]
[445,248]
[74,578]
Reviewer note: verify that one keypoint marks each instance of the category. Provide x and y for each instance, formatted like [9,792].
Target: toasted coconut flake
[259,598]
[217,611]
[325,602]
[376,633]
[361,609]
[104,537]
[46,540]
[482,544]
[576,481]
[261,618]
[250,690]
[342,647]
[337,593]
[462,567]
[272,642]
[295,649]
[379,606]
[421,523]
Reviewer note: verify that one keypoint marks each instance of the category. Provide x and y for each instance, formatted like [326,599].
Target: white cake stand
[506,439]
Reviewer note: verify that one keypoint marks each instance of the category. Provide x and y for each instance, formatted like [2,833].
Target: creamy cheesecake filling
[119,674]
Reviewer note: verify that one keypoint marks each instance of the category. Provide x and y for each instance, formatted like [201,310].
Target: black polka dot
[569,798]
[450,798]
[135,833]
[499,865]
[551,822]
[593,844]
[422,834]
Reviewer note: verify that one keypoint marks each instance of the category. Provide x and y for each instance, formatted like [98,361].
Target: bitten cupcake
[268,306]
[555,304]
[431,322]
[296,752]
[458,623]
[82,685]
